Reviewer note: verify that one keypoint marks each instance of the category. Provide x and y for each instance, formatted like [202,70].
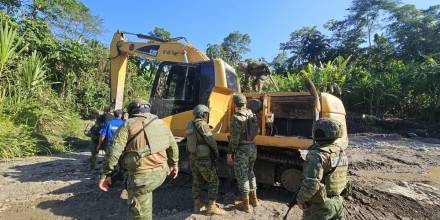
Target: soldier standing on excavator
[255,74]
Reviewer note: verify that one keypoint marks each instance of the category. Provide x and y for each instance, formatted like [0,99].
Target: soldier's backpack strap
[140,131]
[196,129]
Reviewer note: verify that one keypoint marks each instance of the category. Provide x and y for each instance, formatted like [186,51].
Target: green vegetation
[392,60]
[382,59]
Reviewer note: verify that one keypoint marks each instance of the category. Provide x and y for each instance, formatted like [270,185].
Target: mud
[393,178]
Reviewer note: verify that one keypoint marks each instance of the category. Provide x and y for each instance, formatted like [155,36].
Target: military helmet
[327,129]
[136,105]
[239,99]
[199,110]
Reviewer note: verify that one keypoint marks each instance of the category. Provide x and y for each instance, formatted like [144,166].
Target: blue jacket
[110,128]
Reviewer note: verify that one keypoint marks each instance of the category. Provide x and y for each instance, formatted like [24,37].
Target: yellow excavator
[186,77]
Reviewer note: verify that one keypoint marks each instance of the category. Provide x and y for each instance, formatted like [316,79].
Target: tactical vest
[335,165]
[249,125]
[195,143]
[144,140]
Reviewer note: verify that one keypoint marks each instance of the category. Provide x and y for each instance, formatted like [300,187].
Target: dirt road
[393,178]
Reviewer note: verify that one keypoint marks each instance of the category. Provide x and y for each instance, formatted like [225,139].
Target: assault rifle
[292,203]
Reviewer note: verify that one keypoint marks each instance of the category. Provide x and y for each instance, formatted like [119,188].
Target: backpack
[249,125]
[191,139]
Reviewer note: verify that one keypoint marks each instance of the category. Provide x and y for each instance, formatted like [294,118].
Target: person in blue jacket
[108,130]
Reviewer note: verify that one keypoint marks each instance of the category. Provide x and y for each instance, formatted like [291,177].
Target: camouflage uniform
[99,123]
[245,154]
[203,168]
[256,73]
[153,168]
[325,177]
[204,154]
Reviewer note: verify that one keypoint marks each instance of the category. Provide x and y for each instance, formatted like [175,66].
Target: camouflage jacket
[204,136]
[325,173]
[120,142]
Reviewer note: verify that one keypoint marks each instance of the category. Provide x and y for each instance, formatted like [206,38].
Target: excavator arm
[154,49]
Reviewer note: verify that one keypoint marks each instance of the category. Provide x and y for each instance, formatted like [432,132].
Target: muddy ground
[393,178]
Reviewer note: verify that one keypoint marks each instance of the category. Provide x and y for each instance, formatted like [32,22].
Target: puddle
[434,174]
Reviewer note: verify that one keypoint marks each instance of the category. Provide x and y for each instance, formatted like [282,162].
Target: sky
[268,23]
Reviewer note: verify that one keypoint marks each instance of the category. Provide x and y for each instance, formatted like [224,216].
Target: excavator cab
[179,87]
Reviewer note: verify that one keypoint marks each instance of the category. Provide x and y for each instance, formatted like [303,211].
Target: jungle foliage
[382,59]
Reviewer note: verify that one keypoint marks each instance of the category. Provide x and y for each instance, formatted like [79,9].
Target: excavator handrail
[149,37]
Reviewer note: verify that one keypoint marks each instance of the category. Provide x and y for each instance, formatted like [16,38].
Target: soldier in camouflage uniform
[242,151]
[255,74]
[99,123]
[148,152]
[325,174]
[203,159]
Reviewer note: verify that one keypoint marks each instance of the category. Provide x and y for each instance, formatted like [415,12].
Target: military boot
[253,198]
[245,203]
[214,209]
[197,206]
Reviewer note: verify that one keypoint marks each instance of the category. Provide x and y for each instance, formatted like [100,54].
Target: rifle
[292,203]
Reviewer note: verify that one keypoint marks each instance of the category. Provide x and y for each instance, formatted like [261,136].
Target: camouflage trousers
[204,172]
[244,160]
[333,209]
[140,187]
[94,153]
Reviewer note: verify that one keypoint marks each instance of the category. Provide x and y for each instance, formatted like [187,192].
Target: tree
[10,6]
[280,63]
[415,31]
[235,45]
[68,18]
[306,45]
[160,33]
[345,41]
[214,51]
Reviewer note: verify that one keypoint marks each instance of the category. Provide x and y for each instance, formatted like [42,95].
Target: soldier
[204,154]
[99,123]
[325,174]
[242,151]
[148,152]
[255,73]
[108,130]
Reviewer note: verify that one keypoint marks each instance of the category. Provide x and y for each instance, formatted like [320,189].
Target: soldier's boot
[245,203]
[197,205]
[214,209]
[253,198]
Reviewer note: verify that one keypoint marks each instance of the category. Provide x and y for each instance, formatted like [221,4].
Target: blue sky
[269,23]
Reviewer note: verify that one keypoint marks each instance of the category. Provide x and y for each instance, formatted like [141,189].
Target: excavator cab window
[179,87]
